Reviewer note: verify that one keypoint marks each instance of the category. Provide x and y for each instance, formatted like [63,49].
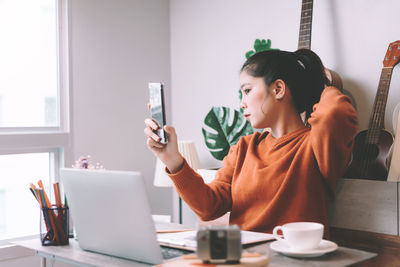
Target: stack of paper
[187,240]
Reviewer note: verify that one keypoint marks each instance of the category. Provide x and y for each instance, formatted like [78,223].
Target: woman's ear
[279,89]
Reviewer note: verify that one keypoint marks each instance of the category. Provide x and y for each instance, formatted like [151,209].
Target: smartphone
[157,109]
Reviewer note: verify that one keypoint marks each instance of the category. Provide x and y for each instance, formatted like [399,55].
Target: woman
[279,176]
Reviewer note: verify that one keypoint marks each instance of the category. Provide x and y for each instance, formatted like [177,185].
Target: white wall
[117,47]
[209,40]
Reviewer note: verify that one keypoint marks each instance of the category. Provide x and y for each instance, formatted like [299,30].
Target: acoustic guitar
[371,146]
[305,39]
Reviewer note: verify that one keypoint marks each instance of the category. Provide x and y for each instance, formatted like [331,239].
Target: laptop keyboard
[169,253]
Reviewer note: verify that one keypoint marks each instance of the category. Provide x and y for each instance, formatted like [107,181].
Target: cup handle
[275,233]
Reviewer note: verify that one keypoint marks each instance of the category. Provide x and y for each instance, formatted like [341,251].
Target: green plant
[260,45]
[224,126]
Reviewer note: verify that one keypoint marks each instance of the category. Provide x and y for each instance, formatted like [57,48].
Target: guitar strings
[373,133]
[377,123]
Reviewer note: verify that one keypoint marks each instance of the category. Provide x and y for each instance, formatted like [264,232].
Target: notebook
[188,239]
[111,214]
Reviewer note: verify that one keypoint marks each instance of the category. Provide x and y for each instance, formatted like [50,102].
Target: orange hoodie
[267,181]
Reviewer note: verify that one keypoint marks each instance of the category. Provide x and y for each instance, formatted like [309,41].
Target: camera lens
[218,245]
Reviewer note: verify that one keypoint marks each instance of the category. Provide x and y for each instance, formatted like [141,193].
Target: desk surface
[386,246]
[73,254]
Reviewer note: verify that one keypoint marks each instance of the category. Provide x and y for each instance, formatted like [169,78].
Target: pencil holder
[54,226]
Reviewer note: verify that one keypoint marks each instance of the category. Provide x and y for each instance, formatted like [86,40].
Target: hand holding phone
[157,109]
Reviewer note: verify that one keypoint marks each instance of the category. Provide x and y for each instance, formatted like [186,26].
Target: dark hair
[302,71]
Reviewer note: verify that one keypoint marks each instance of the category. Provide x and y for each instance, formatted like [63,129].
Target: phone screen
[157,108]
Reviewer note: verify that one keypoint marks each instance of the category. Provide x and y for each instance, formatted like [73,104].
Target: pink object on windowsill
[85,162]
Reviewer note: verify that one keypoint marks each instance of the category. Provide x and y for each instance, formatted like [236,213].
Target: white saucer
[325,246]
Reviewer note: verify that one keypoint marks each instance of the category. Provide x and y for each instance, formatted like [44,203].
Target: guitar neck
[305,24]
[376,122]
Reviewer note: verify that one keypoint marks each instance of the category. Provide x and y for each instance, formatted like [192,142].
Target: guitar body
[372,146]
[369,160]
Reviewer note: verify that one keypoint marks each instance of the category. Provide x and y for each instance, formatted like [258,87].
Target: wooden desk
[386,246]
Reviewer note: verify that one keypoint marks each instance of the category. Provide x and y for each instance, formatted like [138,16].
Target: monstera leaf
[223,128]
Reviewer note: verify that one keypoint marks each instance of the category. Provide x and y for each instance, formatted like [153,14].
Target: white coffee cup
[300,235]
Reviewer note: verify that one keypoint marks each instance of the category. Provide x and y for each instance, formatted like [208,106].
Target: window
[34,130]
[19,211]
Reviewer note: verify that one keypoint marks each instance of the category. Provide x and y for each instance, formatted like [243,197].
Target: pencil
[44,193]
[52,215]
[45,214]
[60,213]
[56,187]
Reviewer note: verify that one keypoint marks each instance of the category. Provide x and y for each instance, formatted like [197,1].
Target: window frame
[62,50]
[54,140]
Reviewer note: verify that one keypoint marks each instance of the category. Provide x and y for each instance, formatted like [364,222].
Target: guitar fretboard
[376,122]
[305,24]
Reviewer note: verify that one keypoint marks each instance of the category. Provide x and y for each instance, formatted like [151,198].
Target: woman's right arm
[209,201]
[167,153]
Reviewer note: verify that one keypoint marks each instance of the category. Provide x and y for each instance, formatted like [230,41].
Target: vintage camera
[219,244]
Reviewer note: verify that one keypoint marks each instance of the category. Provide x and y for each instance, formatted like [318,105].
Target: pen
[32,187]
[65,201]
[33,193]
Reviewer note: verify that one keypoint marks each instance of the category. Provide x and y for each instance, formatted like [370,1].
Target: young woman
[284,175]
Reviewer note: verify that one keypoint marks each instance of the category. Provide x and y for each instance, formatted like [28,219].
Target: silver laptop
[111,213]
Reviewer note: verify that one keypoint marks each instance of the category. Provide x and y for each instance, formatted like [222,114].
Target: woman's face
[257,101]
